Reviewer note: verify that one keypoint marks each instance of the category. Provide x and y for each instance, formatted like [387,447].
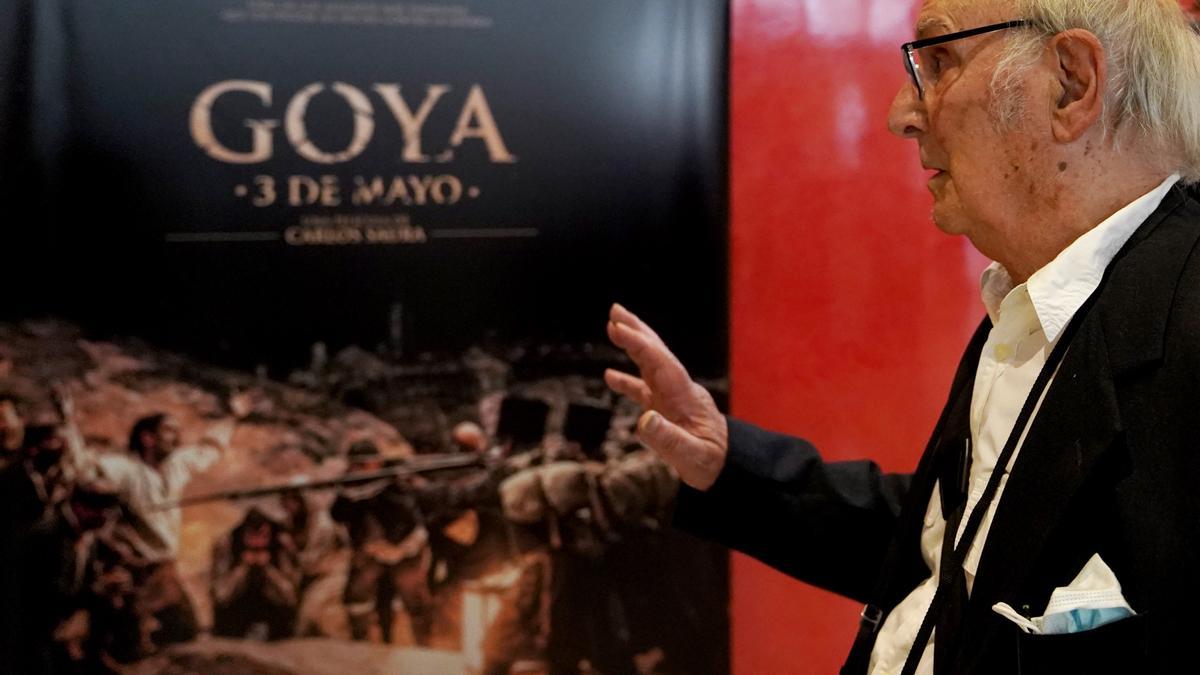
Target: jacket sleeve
[828,524]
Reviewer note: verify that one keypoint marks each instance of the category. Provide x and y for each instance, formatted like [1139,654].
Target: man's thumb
[664,437]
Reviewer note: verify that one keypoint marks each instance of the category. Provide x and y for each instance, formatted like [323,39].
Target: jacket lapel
[903,567]
[906,567]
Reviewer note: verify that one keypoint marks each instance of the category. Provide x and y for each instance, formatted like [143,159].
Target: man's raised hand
[679,421]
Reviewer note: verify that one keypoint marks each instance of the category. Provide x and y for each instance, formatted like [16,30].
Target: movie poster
[303,332]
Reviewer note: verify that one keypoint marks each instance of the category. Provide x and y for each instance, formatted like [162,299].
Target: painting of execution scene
[484,515]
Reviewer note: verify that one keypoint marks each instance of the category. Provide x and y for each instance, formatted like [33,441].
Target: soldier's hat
[587,424]
[522,421]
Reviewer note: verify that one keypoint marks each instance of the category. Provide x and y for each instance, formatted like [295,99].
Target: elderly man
[1052,523]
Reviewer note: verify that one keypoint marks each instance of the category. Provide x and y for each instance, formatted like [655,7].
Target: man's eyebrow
[931,24]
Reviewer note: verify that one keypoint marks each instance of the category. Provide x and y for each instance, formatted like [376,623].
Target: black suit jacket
[1111,465]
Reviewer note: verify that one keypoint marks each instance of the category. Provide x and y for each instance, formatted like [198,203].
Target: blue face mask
[1092,600]
[1079,620]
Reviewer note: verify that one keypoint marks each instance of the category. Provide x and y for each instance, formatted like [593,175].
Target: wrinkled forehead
[938,17]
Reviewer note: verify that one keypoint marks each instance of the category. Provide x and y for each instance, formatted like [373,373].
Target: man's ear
[1082,70]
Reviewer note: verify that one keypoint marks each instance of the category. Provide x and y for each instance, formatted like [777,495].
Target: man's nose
[906,118]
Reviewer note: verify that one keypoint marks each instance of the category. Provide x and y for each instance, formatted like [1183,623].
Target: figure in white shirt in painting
[155,472]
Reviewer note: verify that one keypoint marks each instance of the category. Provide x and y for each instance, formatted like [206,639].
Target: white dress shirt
[154,533]
[1027,322]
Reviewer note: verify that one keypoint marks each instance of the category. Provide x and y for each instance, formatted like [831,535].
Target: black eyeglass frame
[910,48]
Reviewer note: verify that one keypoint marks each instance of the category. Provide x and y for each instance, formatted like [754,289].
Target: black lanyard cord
[951,572]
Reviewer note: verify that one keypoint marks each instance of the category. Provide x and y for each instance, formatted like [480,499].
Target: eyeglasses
[925,71]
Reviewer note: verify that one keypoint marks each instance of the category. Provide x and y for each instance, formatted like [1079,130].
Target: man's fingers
[652,357]
[628,338]
[614,332]
[628,385]
[621,315]
[623,321]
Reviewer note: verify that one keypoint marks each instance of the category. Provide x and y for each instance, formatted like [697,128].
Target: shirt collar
[1059,289]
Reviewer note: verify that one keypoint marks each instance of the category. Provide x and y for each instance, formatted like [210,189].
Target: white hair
[1153,55]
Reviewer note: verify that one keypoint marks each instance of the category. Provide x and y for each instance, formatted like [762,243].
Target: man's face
[256,543]
[982,171]
[161,442]
[257,537]
[12,429]
[167,438]
[47,454]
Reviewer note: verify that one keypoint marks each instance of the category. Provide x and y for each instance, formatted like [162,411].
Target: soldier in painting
[391,557]
[585,504]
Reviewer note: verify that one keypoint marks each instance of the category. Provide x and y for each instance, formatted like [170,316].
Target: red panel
[849,309]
